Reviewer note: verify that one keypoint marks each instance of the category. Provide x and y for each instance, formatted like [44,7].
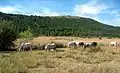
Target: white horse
[25,46]
[113,43]
[50,46]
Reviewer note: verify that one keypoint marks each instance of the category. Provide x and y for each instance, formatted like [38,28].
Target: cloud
[46,12]
[20,10]
[10,9]
[97,11]
[114,22]
[6,9]
[90,8]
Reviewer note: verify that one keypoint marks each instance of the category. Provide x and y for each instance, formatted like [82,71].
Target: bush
[100,38]
[60,45]
[26,34]
[38,47]
[101,44]
[109,37]
[7,35]
[42,47]
[95,49]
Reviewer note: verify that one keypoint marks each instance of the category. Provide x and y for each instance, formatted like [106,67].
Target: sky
[105,11]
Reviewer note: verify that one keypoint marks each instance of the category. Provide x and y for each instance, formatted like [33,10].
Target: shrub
[95,49]
[38,47]
[26,34]
[60,45]
[100,38]
[109,37]
[42,47]
[101,44]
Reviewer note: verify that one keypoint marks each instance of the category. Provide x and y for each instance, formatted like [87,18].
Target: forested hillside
[61,26]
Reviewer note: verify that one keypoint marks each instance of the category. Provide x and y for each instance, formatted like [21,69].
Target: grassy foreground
[65,60]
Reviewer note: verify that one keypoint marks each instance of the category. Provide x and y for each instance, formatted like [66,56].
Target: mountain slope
[61,26]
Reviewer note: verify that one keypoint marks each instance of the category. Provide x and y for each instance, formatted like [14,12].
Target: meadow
[64,60]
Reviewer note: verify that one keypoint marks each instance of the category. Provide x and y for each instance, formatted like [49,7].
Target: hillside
[61,26]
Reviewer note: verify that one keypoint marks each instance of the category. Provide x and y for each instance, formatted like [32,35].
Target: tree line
[61,26]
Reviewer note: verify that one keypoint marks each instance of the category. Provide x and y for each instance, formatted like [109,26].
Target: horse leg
[19,49]
[54,49]
[45,49]
[84,47]
[30,48]
[49,49]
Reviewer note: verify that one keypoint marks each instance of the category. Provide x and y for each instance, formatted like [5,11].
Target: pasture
[64,60]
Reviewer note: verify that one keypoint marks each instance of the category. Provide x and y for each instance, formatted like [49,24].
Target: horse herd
[82,44]
[52,46]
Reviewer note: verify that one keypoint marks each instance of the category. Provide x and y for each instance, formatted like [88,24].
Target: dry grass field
[65,40]
[64,60]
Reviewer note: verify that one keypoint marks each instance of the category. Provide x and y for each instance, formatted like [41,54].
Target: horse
[90,44]
[25,46]
[80,44]
[50,46]
[113,43]
[72,44]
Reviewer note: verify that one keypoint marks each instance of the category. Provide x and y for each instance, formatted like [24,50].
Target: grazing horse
[80,44]
[50,46]
[113,43]
[90,44]
[25,47]
[72,44]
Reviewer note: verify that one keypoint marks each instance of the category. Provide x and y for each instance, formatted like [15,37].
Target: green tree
[27,34]
[7,35]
